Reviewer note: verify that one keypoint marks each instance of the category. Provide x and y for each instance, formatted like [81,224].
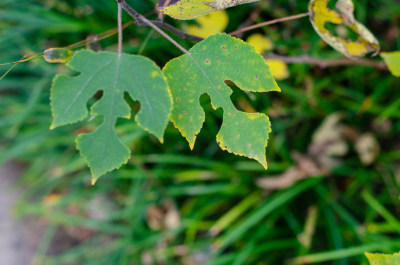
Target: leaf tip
[191,144]
[93,181]
[264,163]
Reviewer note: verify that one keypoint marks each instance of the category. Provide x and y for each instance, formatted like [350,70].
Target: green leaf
[211,62]
[114,75]
[392,60]
[383,259]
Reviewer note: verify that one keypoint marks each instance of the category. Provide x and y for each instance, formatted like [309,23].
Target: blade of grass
[260,213]
[345,253]
[379,208]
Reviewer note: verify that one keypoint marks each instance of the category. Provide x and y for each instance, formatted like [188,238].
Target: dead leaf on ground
[305,167]
[164,216]
[367,148]
[324,152]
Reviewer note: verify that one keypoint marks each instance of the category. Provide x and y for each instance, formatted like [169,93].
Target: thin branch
[139,18]
[327,63]
[119,28]
[176,31]
[266,23]
[142,21]
[250,21]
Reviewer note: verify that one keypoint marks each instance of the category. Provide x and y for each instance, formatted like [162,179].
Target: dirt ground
[18,240]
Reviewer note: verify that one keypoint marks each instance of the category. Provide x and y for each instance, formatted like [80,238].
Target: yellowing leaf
[392,60]
[278,68]
[260,42]
[320,14]
[383,259]
[57,55]
[204,71]
[190,9]
[222,4]
[209,25]
[185,9]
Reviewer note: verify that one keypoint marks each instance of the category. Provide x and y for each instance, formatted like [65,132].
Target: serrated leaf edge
[275,88]
[53,125]
[94,176]
[161,139]
[263,162]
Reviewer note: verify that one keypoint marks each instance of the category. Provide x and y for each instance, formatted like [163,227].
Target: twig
[327,63]
[142,21]
[252,18]
[266,23]
[139,18]
[161,13]
[119,28]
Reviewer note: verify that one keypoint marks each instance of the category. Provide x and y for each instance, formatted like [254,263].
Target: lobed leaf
[114,75]
[320,14]
[205,70]
[383,259]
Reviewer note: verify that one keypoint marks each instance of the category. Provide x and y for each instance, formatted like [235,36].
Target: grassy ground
[170,205]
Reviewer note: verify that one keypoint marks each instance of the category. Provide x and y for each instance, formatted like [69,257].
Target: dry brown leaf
[164,216]
[367,148]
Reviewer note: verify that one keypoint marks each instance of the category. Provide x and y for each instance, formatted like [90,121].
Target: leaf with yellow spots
[209,25]
[190,9]
[383,259]
[204,70]
[392,60]
[114,75]
[278,68]
[260,42]
[320,15]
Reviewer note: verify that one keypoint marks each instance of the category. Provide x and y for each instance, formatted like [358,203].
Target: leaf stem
[120,35]
[266,23]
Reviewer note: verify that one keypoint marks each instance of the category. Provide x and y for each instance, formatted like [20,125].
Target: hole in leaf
[332,4]
[242,100]
[341,31]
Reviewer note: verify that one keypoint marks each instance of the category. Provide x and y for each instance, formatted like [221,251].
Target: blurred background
[331,191]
